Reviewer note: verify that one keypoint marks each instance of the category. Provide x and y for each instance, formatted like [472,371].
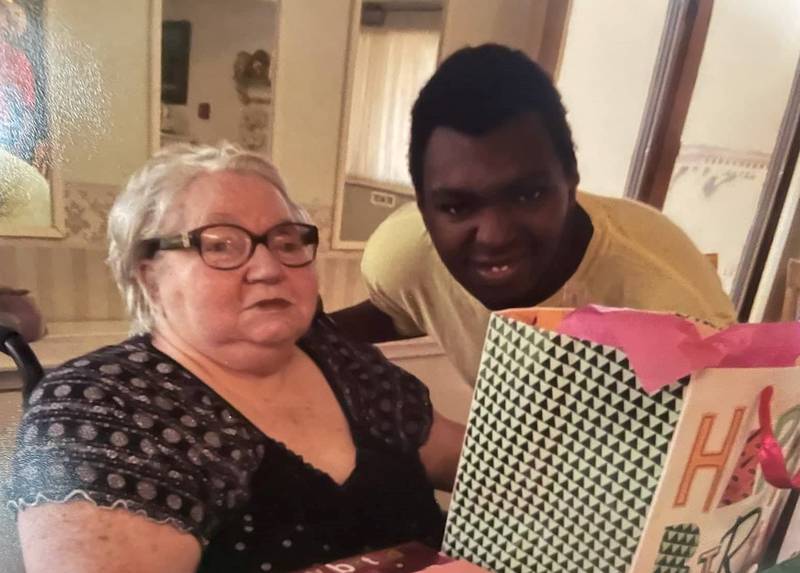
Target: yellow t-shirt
[637,258]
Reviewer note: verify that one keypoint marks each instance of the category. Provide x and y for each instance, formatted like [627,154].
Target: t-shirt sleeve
[86,436]
[645,261]
[389,266]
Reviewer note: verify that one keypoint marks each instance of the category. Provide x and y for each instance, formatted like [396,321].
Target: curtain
[391,67]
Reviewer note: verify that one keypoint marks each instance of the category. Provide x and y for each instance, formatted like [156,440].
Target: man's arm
[441,452]
[365,322]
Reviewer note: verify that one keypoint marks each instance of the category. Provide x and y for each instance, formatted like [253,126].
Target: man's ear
[573,195]
[573,181]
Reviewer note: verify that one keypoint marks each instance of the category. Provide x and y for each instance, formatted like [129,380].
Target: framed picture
[30,190]
[176,41]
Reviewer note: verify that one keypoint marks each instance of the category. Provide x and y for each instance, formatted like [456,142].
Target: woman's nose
[264,266]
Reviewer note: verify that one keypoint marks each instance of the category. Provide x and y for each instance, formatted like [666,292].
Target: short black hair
[476,90]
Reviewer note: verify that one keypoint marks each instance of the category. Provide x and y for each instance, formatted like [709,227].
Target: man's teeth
[499,268]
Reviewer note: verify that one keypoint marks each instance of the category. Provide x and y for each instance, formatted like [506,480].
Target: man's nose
[495,227]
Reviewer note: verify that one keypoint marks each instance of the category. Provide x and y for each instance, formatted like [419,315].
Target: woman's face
[261,303]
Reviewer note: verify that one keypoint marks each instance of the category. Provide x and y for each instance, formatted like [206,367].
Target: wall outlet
[381,199]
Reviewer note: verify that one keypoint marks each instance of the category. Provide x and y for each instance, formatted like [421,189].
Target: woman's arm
[441,452]
[79,537]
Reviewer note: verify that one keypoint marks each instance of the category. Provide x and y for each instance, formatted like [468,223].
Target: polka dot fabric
[126,426]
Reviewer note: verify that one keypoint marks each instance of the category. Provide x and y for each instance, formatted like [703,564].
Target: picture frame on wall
[31,194]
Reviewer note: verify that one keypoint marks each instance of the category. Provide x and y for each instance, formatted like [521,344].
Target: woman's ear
[146,272]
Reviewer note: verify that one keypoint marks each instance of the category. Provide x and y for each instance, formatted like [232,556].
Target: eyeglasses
[228,247]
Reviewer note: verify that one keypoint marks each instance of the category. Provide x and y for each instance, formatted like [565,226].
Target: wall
[310,79]
[606,66]
[217,36]
[516,23]
[99,75]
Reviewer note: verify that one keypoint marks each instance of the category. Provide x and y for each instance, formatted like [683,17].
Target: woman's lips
[271,304]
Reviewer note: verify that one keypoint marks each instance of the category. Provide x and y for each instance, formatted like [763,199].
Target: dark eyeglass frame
[191,240]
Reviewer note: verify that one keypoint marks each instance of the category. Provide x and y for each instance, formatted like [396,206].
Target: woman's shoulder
[134,357]
[126,425]
[137,347]
[123,377]
[386,402]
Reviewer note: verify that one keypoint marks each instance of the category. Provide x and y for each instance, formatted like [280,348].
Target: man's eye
[528,196]
[454,209]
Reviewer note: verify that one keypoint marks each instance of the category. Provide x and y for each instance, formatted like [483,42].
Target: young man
[498,222]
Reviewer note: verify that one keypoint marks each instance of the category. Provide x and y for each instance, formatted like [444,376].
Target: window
[391,67]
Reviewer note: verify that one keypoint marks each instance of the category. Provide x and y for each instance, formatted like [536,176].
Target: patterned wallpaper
[86,208]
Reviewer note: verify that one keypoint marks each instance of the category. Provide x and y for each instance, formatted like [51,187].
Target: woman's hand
[441,452]
[79,537]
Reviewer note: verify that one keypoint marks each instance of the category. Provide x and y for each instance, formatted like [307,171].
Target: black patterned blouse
[127,426]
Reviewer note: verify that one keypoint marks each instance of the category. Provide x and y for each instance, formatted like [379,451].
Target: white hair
[139,211]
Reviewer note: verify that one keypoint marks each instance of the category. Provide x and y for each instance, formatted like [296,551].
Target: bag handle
[770,455]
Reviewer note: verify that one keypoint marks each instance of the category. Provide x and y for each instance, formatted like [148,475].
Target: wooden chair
[791,300]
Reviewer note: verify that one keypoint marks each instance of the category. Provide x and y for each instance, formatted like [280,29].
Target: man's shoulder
[622,211]
[662,267]
[634,225]
[400,249]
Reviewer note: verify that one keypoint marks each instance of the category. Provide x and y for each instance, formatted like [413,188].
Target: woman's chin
[274,333]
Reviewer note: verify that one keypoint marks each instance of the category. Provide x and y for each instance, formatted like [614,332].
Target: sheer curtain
[391,67]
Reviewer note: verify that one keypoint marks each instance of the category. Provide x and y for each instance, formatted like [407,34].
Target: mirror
[30,195]
[395,49]
[217,72]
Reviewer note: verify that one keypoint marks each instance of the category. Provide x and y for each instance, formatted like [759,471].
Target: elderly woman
[239,431]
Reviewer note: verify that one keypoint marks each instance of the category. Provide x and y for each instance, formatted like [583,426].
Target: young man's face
[496,207]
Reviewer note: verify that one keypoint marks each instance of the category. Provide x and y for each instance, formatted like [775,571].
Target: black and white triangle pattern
[677,547]
[562,456]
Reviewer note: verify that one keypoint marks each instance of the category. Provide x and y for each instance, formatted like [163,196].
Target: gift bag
[589,447]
